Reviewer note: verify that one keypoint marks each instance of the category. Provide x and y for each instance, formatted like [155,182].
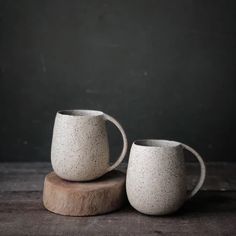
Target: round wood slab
[100,196]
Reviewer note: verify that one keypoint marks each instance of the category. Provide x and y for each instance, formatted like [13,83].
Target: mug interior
[157,143]
[80,113]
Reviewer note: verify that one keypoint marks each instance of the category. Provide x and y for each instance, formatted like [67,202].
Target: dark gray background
[164,69]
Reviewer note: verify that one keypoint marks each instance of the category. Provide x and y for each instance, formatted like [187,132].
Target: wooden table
[211,212]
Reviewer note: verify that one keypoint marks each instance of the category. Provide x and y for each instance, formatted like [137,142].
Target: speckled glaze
[80,150]
[156,179]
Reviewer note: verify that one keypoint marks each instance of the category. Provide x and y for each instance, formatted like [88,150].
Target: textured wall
[165,69]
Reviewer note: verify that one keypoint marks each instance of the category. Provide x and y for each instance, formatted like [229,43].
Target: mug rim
[80,113]
[156,143]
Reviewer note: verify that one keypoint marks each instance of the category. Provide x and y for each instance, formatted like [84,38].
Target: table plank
[30,176]
[211,213]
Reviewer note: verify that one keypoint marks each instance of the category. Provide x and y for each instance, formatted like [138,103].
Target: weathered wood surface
[211,212]
[30,176]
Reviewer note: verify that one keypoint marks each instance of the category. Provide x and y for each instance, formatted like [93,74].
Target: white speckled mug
[80,149]
[156,179]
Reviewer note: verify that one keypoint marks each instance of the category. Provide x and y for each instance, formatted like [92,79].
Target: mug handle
[125,142]
[202,169]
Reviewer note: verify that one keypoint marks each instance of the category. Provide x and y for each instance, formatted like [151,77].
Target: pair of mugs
[156,178]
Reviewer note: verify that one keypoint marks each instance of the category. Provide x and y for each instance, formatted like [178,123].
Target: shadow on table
[210,202]
[205,202]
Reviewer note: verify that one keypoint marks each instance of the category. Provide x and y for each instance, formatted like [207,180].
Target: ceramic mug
[156,178]
[80,150]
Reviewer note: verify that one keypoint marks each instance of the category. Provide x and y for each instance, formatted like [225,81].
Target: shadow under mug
[156,177]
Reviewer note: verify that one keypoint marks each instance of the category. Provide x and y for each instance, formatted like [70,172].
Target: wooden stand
[100,196]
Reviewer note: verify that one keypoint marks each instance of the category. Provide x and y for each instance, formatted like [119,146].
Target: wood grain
[100,196]
[30,176]
[211,212]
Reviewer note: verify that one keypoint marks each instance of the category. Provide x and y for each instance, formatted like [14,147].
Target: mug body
[80,150]
[156,181]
